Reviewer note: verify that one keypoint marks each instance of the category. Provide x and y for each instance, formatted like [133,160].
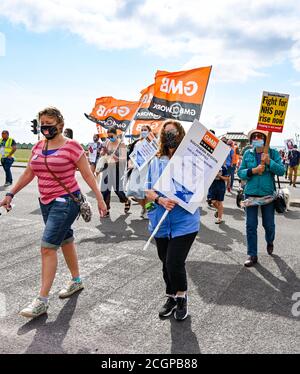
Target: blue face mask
[112,139]
[144,134]
[259,143]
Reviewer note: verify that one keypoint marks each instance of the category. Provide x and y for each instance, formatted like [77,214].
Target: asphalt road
[232,309]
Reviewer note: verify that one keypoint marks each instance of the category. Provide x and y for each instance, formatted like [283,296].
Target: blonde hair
[163,150]
[53,113]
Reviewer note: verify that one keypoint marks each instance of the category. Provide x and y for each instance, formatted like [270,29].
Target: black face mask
[171,141]
[49,132]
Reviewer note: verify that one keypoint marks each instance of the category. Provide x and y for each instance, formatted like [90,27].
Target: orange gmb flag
[180,95]
[144,113]
[155,126]
[109,112]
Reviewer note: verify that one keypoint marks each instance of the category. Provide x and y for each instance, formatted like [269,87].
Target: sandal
[127,206]
[106,215]
[218,221]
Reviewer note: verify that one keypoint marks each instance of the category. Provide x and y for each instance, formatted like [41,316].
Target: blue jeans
[58,216]
[7,163]
[268,221]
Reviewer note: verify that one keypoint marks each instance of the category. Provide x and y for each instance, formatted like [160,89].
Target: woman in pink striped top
[58,208]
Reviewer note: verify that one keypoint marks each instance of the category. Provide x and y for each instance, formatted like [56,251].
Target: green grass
[22,155]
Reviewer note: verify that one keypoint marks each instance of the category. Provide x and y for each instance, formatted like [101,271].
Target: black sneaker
[252,260]
[270,248]
[181,311]
[168,307]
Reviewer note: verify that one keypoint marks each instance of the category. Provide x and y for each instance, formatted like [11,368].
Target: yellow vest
[8,147]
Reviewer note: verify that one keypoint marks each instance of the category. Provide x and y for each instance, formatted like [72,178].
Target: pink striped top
[63,165]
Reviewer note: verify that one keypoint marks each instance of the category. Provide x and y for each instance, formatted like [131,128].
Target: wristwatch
[157,200]
[10,194]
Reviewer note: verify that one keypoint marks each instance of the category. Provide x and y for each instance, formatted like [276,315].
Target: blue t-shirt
[220,183]
[178,221]
[229,158]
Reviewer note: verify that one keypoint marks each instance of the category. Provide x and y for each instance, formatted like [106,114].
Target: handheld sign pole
[268,141]
[267,145]
[156,230]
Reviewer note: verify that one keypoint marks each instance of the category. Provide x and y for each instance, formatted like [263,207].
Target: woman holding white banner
[177,232]
[115,153]
[135,178]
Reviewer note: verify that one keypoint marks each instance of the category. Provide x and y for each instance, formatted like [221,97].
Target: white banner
[93,148]
[192,169]
[289,144]
[144,151]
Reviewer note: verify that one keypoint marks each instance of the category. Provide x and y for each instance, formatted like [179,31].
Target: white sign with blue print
[144,151]
[192,169]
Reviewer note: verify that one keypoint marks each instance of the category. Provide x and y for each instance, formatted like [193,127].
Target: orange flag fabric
[144,114]
[109,112]
[180,95]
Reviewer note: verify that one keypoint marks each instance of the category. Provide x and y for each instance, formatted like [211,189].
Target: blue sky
[67,53]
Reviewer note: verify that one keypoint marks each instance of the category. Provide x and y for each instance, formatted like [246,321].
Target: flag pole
[156,230]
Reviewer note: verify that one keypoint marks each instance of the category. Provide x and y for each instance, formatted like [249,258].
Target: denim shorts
[58,216]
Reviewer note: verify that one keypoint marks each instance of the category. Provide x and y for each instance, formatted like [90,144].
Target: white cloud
[240,38]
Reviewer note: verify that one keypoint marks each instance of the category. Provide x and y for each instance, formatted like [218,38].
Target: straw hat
[265,133]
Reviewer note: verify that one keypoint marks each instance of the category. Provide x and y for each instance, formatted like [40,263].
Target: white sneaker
[35,309]
[71,288]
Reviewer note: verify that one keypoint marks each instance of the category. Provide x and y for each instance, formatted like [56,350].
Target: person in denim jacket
[258,170]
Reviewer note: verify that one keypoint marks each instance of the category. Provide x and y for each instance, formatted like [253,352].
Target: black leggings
[173,253]
[116,184]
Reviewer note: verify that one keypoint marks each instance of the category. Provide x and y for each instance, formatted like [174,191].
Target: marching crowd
[107,167]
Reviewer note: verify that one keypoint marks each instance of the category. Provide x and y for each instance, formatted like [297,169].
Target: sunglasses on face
[257,136]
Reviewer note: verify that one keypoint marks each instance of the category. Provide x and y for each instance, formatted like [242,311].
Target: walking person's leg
[295,171]
[177,253]
[290,174]
[70,256]
[7,163]
[119,190]
[268,221]
[58,217]
[220,210]
[232,175]
[228,183]
[10,178]
[251,231]
[170,304]
[49,266]
[106,186]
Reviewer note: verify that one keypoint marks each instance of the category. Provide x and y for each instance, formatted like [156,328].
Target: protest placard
[289,144]
[272,111]
[144,151]
[192,169]
[92,149]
